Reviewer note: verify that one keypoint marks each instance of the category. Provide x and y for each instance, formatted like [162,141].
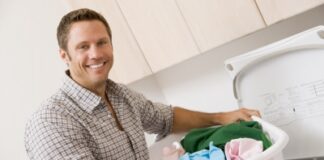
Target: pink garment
[174,152]
[242,148]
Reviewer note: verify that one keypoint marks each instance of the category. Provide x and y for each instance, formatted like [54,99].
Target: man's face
[89,53]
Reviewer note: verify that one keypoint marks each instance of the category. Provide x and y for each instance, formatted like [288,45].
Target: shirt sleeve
[54,135]
[155,117]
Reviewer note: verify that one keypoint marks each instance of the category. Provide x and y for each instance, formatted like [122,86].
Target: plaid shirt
[76,124]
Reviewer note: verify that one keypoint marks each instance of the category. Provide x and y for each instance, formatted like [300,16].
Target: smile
[95,66]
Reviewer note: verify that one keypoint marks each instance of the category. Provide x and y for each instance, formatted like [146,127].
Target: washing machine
[285,82]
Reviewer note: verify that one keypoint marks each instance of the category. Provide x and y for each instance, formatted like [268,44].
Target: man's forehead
[92,40]
[83,27]
[84,31]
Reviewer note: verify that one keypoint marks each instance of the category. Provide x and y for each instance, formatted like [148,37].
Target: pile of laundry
[236,141]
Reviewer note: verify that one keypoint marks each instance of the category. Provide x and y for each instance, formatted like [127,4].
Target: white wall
[201,83]
[30,66]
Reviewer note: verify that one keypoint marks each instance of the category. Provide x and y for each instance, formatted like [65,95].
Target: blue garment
[213,153]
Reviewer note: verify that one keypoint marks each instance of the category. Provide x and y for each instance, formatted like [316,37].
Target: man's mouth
[95,66]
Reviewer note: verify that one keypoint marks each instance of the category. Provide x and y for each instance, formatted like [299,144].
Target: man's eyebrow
[104,38]
[82,42]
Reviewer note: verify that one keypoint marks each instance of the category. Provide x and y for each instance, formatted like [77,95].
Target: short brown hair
[78,15]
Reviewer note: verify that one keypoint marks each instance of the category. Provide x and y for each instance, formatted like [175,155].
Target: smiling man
[92,117]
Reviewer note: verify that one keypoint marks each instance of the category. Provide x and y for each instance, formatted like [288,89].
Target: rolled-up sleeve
[156,118]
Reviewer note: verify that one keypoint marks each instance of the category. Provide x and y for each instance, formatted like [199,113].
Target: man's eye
[100,43]
[83,47]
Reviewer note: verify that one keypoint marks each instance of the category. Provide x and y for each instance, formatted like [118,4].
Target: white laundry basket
[277,136]
[279,140]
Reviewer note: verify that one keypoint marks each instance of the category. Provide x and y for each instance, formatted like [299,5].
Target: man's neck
[97,88]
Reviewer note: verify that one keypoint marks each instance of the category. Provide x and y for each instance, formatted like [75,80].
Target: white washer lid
[285,81]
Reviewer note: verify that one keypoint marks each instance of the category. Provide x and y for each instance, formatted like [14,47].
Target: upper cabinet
[160,30]
[129,62]
[151,35]
[215,22]
[276,10]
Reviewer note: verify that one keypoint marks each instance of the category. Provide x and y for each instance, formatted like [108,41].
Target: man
[92,117]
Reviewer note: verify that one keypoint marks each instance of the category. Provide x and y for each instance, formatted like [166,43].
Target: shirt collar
[86,99]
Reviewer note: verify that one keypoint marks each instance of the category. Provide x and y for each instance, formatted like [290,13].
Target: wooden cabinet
[277,10]
[215,22]
[129,62]
[156,34]
[160,31]
[151,35]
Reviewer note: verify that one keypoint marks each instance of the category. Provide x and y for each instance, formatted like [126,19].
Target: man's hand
[185,120]
[244,114]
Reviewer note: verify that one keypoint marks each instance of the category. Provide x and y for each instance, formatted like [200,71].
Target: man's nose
[94,53]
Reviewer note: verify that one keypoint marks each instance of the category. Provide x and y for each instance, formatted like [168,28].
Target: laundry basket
[277,136]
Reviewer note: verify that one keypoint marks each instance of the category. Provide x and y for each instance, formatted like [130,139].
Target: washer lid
[285,81]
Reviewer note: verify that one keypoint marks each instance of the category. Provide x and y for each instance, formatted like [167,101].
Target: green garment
[198,139]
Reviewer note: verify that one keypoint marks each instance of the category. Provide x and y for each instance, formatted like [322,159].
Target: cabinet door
[215,22]
[160,31]
[129,62]
[276,10]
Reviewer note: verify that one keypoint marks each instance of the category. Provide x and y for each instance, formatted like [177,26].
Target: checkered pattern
[75,124]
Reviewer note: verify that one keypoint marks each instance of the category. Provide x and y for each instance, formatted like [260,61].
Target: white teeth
[96,65]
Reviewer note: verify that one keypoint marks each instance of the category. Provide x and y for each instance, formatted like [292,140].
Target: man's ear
[64,56]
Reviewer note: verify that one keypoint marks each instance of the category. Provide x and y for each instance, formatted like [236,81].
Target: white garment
[242,148]
[174,152]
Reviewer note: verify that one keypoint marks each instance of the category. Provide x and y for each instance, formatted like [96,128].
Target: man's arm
[185,120]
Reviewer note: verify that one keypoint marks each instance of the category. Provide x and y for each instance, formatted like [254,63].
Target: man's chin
[99,80]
